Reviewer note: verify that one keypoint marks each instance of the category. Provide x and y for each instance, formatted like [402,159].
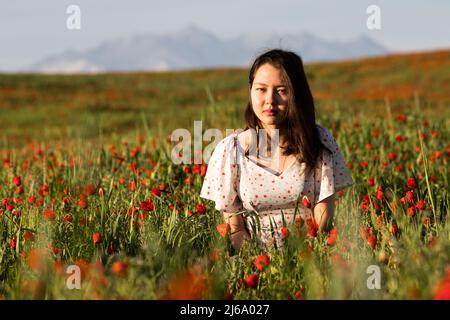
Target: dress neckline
[260,166]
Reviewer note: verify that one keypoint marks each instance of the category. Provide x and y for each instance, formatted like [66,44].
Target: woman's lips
[270,112]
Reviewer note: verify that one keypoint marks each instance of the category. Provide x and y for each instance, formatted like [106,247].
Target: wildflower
[372,241]
[411,183]
[223,229]
[147,206]
[332,238]
[410,197]
[420,205]
[131,186]
[17,181]
[306,202]
[284,232]
[119,268]
[89,190]
[262,262]
[97,238]
[371,182]
[156,192]
[49,214]
[251,281]
[200,209]
[392,156]
[379,193]
[83,203]
[31,199]
[411,211]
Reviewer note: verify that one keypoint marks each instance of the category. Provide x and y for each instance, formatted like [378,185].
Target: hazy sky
[30,30]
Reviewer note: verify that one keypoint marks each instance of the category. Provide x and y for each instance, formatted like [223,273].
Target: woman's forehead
[268,75]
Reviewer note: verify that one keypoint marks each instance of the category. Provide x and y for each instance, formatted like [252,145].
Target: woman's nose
[270,96]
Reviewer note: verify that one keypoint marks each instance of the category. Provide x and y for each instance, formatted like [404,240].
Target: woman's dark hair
[299,120]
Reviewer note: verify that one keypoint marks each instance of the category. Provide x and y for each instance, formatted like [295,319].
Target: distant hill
[196,48]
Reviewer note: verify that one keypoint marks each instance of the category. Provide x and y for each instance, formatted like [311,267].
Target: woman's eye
[260,89]
[282,91]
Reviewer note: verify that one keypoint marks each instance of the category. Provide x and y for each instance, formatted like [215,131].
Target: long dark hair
[299,121]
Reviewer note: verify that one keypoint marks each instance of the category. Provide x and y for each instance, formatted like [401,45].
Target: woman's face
[268,95]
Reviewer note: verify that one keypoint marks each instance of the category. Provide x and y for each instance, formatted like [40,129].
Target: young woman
[302,169]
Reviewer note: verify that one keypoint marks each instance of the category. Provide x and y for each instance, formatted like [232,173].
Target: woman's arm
[238,232]
[323,213]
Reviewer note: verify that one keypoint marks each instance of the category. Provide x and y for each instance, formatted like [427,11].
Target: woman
[300,174]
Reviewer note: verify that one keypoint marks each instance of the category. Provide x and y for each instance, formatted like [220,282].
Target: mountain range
[196,48]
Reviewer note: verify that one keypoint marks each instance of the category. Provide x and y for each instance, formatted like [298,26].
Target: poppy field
[93,207]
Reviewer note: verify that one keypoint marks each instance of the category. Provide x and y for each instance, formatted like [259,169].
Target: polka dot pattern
[236,183]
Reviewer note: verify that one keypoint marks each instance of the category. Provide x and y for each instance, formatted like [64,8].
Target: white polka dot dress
[238,184]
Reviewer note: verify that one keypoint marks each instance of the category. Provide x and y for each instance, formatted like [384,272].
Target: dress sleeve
[222,177]
[333,175]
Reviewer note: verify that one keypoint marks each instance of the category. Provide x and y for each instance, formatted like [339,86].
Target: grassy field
[86,180]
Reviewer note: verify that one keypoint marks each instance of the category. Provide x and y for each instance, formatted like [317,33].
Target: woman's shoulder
[326,137]
[227,144]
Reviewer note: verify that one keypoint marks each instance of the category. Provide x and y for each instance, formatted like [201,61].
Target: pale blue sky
[30,30]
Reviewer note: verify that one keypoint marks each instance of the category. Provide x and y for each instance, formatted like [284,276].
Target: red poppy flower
[49,214]
[332,238]
[262,262]
[251,281]
[196,169]
[97,238]
[31,199]
[392,156]
[306,202]
[420,205]
[89,190]
[223,229]
[284,232]
[83,203]
[156,192]
[372,241]
[17,181]
[379,193]
[200,209]
[371,182]
[410,197]
[147,206]
[411,183]
[135,152]
[132,186]
[119,268]
[411,211]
